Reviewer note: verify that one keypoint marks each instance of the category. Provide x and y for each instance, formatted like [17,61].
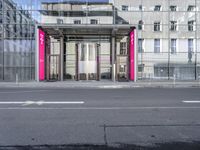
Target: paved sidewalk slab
[101,84]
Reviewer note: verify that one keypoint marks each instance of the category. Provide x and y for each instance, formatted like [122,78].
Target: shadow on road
[163,146]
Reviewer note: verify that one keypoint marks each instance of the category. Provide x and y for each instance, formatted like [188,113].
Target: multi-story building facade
[101,40]
[168,37]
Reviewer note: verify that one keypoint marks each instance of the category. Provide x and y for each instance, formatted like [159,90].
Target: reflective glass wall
[17,43]
[18,19]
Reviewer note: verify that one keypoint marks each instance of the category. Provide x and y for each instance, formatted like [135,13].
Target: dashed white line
[30,91]
[191,101]
[25,103]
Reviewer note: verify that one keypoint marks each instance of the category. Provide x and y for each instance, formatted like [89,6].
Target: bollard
[105,137]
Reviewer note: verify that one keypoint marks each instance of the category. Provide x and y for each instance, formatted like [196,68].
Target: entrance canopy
[57,30]
[73,51]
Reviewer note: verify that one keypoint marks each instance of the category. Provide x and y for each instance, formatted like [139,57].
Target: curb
[99,85]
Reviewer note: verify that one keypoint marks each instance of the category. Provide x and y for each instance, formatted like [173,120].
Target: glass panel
[70,62]
[1,59]
[157,46]
[105,60]
[92,52]
[83,52]
[173,46]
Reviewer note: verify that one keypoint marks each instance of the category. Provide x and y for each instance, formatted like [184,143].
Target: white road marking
[30,91]
[111,86]
[95,108]
[25,103]
[191,101]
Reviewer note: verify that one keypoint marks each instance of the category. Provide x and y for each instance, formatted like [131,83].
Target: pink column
[41,55]
[132,55]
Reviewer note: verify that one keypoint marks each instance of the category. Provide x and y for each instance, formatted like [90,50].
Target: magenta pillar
[41,55]
[132,55]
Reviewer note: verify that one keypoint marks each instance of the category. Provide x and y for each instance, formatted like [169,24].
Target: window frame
[140,45]
[191,25]
[157,8]
[124,7]
[141,7]
[173,26]
[78,20]
[157,47]
[171,7]
[59,21]
[158,28]
[123,48]
[141,25]
[96,21]
[173,46]
[191,45]
[191,8]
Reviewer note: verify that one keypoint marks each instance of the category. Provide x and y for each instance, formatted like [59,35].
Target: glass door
[122,62]
[54,67]
[87,61]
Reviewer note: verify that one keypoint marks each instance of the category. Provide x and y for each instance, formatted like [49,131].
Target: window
[191,8]
[140,25]
[190,45]
[122,68]
[59,21]
[173,25]
[1,5]
[140,7]
[93,21]
[123,48]
[83,52]
[157,8]
[77,21]
[140,45]
[1,19]
[173,8]
[157,26]
[92,52]
[173,46]
[124,8]
[156,45]
[140,67]
[190,49]
[1,35]
[191,25]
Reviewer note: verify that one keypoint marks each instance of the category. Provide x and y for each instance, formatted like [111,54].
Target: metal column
[113,58]
[98,62]
[61,58]
[37,54]
[135,56]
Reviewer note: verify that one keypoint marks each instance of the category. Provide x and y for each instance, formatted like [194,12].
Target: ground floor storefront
[66,52]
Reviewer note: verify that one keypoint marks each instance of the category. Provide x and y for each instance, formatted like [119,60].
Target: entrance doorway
[87,61]
[53,73]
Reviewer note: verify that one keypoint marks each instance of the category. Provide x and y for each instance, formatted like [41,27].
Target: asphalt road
[139,116]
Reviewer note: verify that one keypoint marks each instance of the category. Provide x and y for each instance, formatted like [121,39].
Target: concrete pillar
[113,57]
[61,57]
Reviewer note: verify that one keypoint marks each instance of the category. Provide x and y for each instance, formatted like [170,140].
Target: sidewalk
[102,84]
